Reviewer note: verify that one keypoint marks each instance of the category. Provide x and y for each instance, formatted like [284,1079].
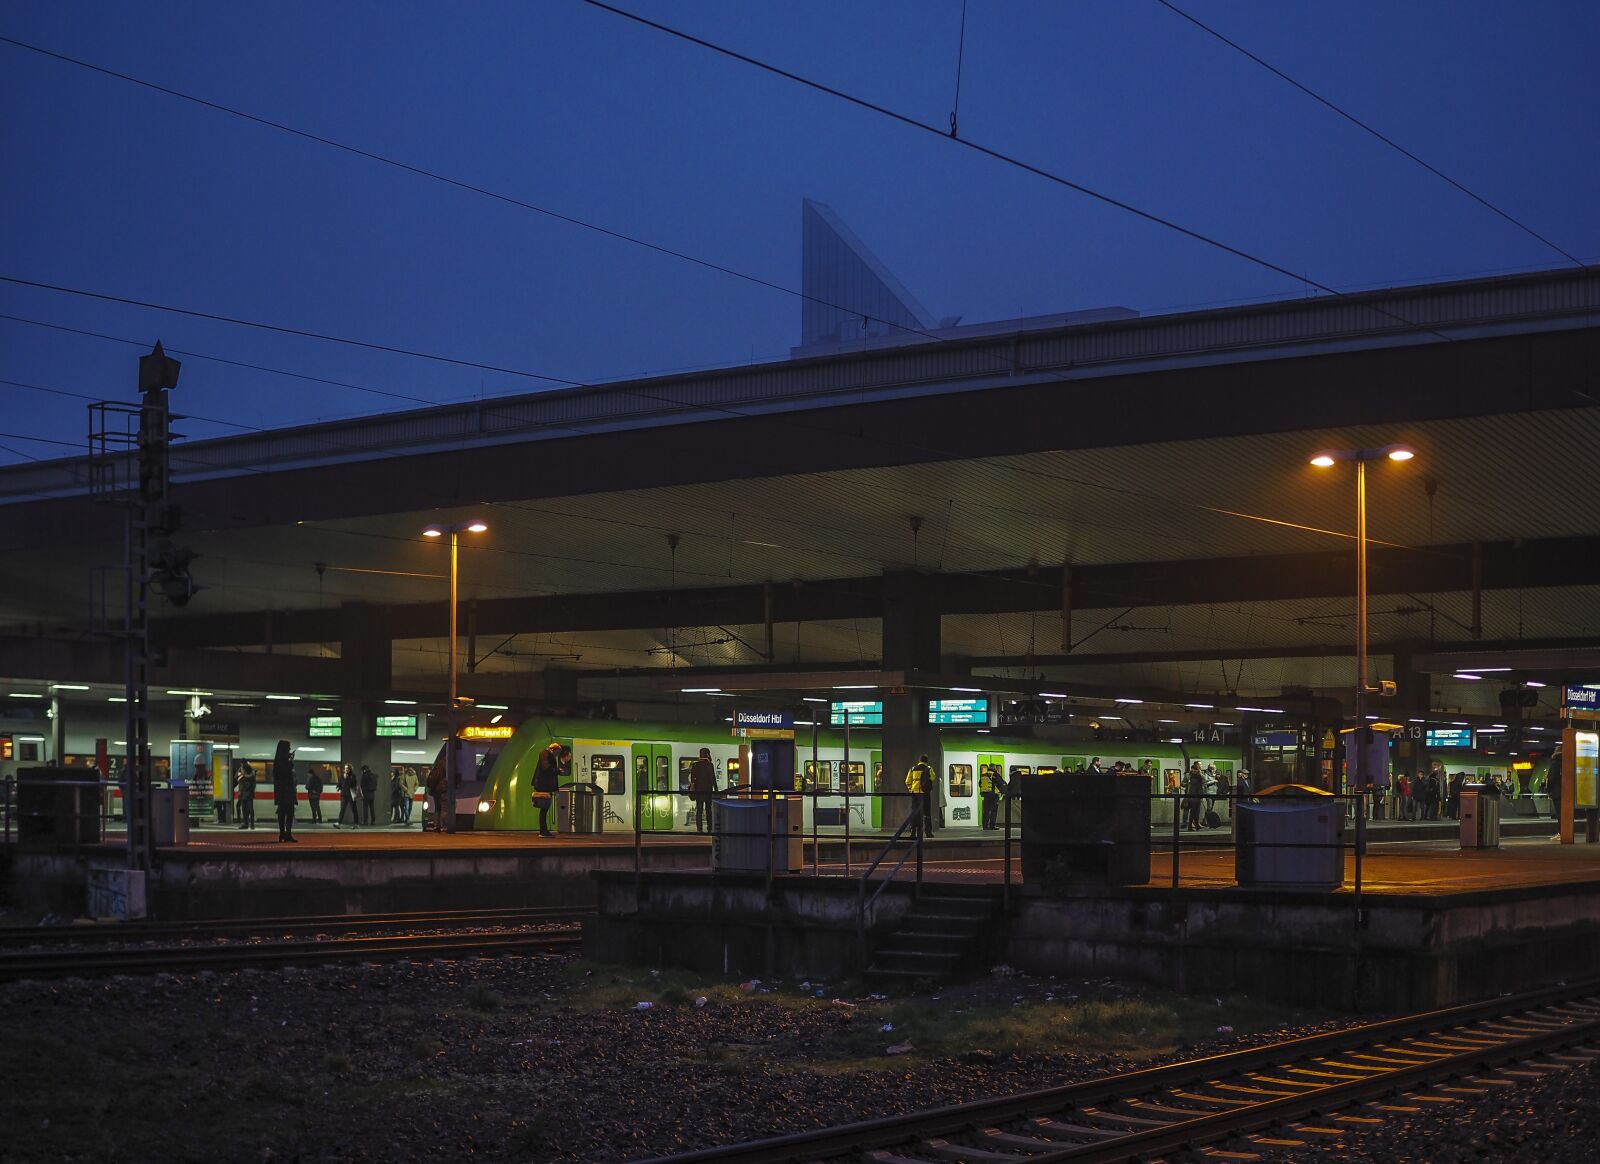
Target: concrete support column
[366,652]
[911,642]
[360,745]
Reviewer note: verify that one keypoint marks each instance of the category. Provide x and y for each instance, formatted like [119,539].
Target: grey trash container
[169,815]
[739,834]
[1480,816]
[584,812]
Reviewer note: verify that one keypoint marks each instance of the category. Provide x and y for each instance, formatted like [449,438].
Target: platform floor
[1430,868]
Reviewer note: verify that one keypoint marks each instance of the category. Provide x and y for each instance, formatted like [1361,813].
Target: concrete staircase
[947,933]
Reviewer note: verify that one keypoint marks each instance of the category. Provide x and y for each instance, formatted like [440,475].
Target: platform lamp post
[1326,460]
[455,531]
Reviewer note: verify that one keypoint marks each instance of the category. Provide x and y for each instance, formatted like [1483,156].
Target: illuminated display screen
[1449,738]
[399,726]
[861,713]
[324,726]
[959,710]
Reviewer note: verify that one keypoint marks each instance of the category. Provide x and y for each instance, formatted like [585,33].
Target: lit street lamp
[455,531]
[1325,460]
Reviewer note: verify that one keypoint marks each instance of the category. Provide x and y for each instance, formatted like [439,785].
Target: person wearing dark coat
[347,797]
[1194,787]
[703,789]
[547,782]
[245,782]
[284,791]
[314,792]
[369,792]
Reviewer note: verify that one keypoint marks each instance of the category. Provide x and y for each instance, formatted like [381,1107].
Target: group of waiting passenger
[358,792]
[1434,794]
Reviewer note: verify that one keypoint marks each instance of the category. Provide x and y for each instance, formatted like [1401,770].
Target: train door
[652,774]
[960,788]
[609,770]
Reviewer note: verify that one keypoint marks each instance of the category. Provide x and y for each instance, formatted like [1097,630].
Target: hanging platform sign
[1583,699]
[764,719]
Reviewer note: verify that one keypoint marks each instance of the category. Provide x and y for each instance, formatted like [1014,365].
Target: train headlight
[485,806]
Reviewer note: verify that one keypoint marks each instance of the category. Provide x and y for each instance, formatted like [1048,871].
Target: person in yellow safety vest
[920,780]
[990,785]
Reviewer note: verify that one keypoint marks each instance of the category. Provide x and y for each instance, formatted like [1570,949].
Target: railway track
[267,927]
[89,963]
[1237,1106]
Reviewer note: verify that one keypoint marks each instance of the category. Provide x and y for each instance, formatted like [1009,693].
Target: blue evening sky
[117,189]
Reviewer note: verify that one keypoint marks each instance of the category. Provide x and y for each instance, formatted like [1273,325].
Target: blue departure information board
[975,710]
[1449,738]
[861,713]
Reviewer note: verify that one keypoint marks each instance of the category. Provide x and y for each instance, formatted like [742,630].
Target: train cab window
[684,764]
[1018,770]
[854,777]
[960,780]
[641,773]
[819,776]
[735,773]
[662,763]
[607,771]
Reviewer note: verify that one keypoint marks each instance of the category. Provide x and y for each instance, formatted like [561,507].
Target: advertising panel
[1583,769]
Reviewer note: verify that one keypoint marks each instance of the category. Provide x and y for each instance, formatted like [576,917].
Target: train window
[641,773]
[684,764]
[1019,770]
[877,776]
[960,780]
[819,776]
[855,777]
[1173,778]
[607,771]
[662,763]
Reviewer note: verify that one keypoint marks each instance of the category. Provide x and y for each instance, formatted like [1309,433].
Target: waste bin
[1292,837]
[582,808]
[1480,816]
[739,834]
[169,815]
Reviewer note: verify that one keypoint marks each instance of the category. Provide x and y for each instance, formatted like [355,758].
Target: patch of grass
[427,1046]
[335,1063]
[480,997]
[528,1134]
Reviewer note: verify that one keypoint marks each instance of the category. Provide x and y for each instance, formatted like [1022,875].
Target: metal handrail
[913,821]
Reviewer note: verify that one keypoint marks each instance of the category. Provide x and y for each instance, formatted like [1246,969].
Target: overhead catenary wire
[1367,128]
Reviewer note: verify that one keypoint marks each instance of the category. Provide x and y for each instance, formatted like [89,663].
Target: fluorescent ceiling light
[1488,670]
[1053,695]
[312,749]
[1267,710]
[191,691]
[1490,731]
[390,702]
[1533,683]
[1110,717]
[1416,721]
[966,689]
[25,695]
[814,699]
[69,687]
[1166,721]
[1123,699]
[1219,724]
[407,752]
[495,706]
[699,690]
[1465,675]
[855,686]
[285,698]
[1458,723]
[1202,706]
[116,699]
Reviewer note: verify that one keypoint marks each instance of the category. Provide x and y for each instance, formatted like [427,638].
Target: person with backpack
[920,781]
[988,796]
[437,787]
[369,792]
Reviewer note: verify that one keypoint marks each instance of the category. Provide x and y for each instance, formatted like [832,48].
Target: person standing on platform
[702,787]
[1225,792]
[347,797]
[990,786]
[369,793]
[1194,787]
[394,795]
[1209,784]
[1241,784]
[438,788]
[408,792]
[314,791]
[920,782]
[284,791]
[547,782]
[246,784]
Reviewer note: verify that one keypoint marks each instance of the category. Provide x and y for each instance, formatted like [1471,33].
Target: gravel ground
[536,1059]
[1554,1120]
